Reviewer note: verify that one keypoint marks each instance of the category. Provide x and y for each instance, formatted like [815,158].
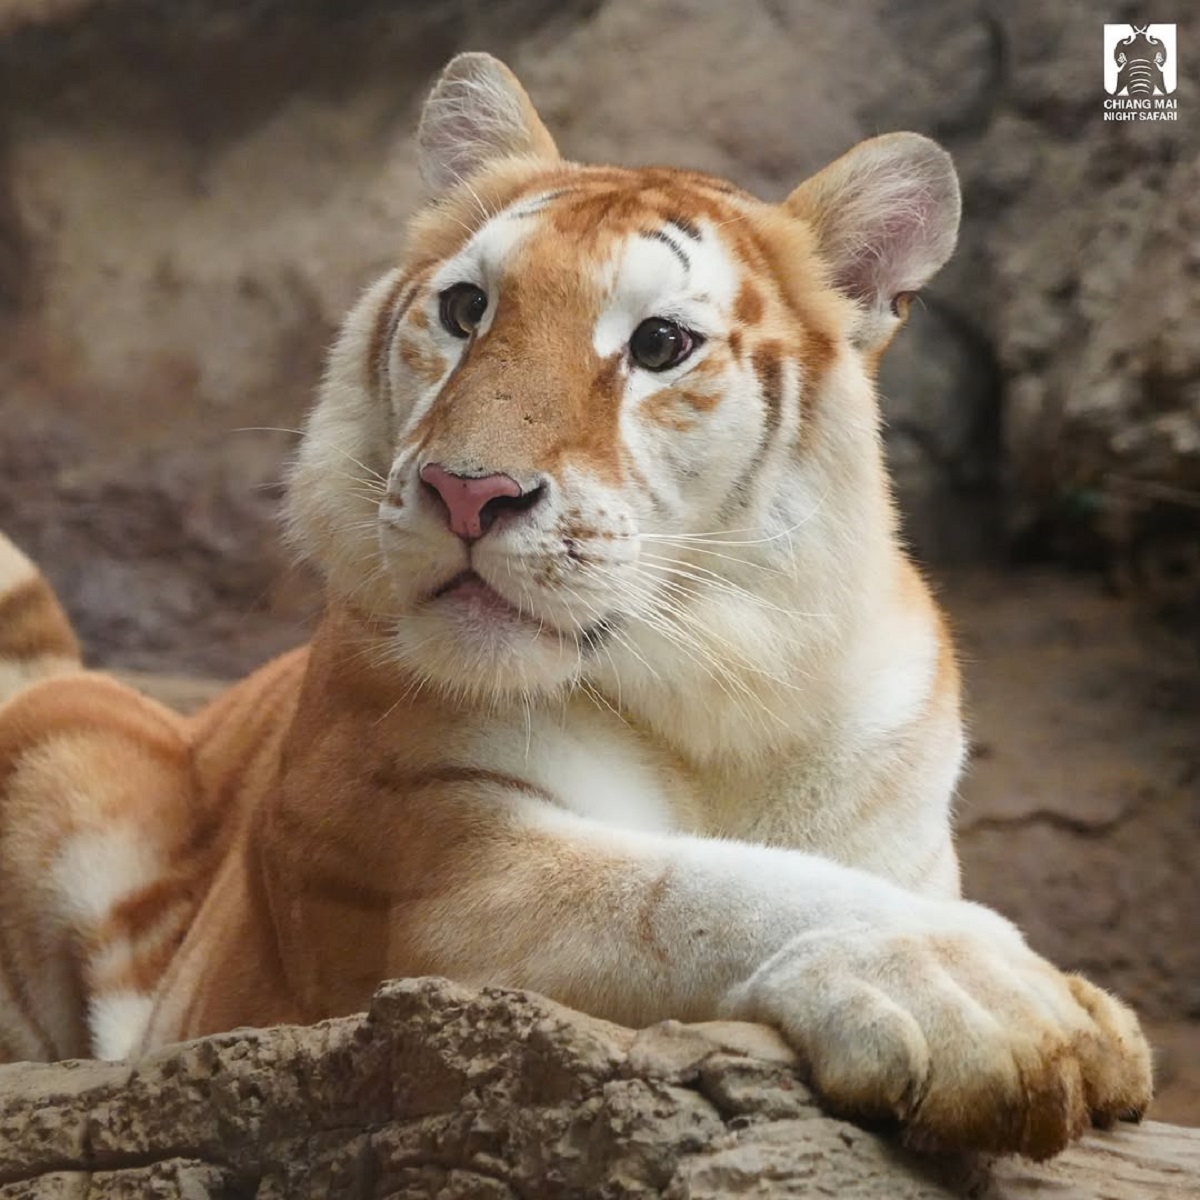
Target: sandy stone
[447,1092]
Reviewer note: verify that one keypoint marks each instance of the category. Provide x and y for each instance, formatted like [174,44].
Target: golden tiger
[625,691]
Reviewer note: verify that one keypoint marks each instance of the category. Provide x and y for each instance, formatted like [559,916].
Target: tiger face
[605,426]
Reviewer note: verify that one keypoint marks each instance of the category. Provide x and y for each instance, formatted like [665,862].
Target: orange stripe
[393,778]
[147,965]
[381,338]
[391,312]
[135,915]
[343,891]
[767,361]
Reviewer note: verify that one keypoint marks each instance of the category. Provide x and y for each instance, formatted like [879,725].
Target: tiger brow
[540,203]
[687,228]
[659,236]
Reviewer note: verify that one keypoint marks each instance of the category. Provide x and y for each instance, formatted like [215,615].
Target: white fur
[92,873]
[482,261]
[118,1022]
[470,116]
[96,869]
[590,761]
[647,280]
[17,675]
[15,568]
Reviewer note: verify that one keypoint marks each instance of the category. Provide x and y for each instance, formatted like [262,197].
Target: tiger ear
[886,218]
[477,112]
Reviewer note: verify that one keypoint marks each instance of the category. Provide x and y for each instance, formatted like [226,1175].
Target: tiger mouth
[471,594]
[469,588]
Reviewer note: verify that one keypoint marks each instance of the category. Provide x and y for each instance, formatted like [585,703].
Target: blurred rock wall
[192,192]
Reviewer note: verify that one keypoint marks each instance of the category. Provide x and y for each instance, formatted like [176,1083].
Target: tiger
[625,691]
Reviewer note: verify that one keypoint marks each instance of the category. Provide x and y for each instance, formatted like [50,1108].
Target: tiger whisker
[736,690]
[697,548]
[683,615]
[724,533]
[719,583]
[300,433]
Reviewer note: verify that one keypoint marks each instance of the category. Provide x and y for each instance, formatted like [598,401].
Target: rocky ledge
[441,1091]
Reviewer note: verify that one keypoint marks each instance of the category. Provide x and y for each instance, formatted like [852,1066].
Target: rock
[1077,816]
[1087,234]
[443,1091]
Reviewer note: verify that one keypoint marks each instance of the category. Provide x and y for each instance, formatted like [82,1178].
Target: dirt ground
[1080,814]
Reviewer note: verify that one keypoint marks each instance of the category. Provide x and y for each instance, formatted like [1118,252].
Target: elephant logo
[1139,60]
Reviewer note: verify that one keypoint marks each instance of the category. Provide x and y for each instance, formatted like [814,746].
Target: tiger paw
[955,1029]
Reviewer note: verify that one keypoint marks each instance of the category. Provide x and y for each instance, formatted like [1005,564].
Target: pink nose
[470,501]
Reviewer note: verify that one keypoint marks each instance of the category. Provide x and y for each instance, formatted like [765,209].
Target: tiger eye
[658,344]
[461,308]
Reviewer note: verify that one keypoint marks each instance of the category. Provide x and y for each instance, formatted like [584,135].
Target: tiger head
[616,429]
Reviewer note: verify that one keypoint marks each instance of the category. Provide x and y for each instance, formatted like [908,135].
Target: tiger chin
[625,690]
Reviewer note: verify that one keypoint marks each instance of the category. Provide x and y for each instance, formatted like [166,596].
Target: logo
[1140,72]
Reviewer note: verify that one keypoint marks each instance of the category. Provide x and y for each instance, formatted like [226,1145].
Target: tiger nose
[473,502]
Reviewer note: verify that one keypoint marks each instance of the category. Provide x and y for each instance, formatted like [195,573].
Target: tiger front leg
[931,1013]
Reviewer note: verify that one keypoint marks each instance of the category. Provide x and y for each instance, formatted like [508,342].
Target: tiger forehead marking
[594,253]
[529,388]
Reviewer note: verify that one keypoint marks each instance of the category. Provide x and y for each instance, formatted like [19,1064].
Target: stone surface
[1079,816]
[442,1091]
[1086,277]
